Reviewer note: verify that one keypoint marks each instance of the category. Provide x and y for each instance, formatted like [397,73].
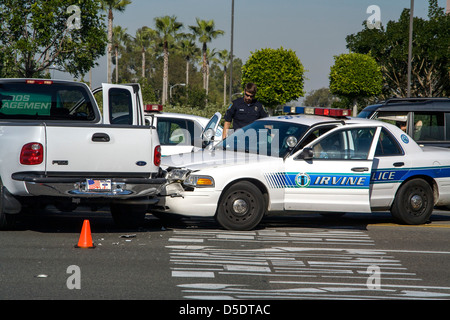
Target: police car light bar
[332,112]
[33,81]
[153,107]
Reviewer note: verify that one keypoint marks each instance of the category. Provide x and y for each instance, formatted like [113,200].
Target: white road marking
[287,257]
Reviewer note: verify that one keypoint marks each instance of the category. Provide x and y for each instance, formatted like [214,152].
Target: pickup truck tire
[128,215]
[413,203]
[7,221]
[241,207]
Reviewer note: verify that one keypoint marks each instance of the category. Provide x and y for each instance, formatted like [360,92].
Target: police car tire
[250,197]
[413,203]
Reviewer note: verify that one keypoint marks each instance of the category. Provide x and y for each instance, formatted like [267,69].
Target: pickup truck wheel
[6,220]
[128,215]
[241,207]
[413,203]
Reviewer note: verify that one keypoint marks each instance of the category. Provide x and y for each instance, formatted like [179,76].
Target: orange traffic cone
[85,237]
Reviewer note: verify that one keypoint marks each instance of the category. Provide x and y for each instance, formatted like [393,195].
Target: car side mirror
[306,154]
[208,137]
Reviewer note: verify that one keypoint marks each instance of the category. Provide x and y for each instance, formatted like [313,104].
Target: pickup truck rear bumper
[123,187]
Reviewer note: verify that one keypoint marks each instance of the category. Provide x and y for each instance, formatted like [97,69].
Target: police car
[180,133]
[311,163]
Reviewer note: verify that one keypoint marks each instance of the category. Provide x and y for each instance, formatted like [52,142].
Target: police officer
[243,111]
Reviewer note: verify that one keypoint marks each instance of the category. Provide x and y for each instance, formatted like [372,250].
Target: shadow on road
[52,220]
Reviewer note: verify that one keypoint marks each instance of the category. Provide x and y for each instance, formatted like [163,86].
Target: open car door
[209,136]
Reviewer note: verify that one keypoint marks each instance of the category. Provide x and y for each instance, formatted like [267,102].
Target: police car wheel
[413,203]
[241,207]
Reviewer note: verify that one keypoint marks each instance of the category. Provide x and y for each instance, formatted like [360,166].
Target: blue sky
[315,30]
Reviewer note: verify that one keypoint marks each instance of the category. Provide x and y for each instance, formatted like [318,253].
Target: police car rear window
[45,101]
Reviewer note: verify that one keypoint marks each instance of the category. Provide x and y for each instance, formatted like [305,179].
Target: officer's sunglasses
[249,95]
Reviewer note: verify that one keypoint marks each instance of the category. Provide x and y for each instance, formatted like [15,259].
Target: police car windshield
[263,137]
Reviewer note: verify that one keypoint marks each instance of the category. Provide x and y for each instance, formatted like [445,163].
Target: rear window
[45,100]
[429,126]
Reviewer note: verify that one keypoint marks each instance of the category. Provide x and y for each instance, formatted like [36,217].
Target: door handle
[398,164]
[100,137]
[360,169]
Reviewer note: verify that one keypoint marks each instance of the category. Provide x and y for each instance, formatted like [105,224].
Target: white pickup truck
[58,147]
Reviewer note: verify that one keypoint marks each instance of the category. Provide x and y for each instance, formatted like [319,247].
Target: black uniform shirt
[243,114]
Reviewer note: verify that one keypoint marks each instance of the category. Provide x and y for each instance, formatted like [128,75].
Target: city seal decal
[405,138]
[302,180]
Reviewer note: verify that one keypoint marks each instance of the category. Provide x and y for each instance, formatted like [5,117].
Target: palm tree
[120,37]
[210,56]
[206,32]
[187,49]
[167,28]
[109,6]
[143,40]
[224,60]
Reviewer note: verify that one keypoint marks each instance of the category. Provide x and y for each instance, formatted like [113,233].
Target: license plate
[98,185]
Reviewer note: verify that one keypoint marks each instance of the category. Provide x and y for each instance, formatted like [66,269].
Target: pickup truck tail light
[157,156]
[32,154]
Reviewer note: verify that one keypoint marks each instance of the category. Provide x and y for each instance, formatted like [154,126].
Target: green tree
[120,37]
[354,76]
[278,73]
[167,28]
[144,39]
[188,50]
[206,31]
[224,60]
[148,94]
[319,98]
[37,35]
[110,6]
[430,63]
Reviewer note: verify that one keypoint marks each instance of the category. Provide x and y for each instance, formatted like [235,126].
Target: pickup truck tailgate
[99,150]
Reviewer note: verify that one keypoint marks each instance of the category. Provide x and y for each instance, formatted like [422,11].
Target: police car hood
[207,159]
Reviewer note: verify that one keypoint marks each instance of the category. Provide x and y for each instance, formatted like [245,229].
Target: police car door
[332,174]
[209,136]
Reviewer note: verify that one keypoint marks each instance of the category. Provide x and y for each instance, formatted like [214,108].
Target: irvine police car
[308,163]
[180,133]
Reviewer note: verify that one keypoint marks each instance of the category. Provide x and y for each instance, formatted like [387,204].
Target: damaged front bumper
[188,194]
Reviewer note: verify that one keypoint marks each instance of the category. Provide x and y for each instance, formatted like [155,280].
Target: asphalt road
[288,258]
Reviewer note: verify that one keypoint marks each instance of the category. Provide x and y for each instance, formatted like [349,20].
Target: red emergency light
[153,107]
[32,81]
[330,112]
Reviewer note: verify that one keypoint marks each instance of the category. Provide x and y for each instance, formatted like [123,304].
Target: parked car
[426,120]
[180,133]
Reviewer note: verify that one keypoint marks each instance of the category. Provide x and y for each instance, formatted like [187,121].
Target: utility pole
[411,17]
[231,49]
